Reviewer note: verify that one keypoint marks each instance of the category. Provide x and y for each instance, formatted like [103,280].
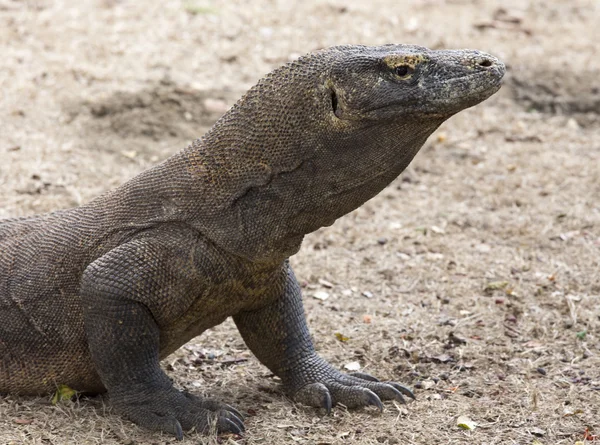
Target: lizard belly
[219,302]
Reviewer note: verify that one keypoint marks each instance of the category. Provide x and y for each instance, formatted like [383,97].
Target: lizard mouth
[468,90]
[452,99]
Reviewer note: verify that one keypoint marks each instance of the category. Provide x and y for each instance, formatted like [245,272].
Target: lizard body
[93,297]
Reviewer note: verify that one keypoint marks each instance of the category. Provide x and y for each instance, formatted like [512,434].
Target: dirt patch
[137,120]
[558,92]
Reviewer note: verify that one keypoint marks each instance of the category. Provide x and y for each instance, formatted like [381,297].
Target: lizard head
[374,110]
[399,81]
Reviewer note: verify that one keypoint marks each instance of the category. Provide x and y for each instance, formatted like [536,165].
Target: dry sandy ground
[473,278]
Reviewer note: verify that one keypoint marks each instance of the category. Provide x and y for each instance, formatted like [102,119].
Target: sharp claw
[234,411]
[241,427]
[327,403]
[232,427]
[398,395]
[235,419]
[373,399]
[407,392]
[178,430]
[364,376]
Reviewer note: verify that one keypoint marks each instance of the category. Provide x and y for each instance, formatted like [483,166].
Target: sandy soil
[473,278]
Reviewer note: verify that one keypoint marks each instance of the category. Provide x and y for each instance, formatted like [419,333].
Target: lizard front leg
[278,335]
[127,295]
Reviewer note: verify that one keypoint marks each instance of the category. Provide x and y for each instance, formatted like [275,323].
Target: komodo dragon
[94,297]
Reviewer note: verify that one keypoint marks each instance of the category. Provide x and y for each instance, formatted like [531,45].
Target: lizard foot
[174,412]
[329,387]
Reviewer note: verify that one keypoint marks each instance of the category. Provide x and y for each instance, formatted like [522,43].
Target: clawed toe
[373,399]
[227,425]
[404,390]
[354,396]
[230,419]
[352,390]
[386,391]
[234,411]
[174,412]
[172,426]
[315,394]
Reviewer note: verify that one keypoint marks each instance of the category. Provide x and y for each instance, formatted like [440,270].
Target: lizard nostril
[485,63]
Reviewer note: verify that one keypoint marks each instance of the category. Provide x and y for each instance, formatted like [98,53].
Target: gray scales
[94,297]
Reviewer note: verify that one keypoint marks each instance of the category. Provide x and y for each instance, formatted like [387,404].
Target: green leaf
[496,285]
[341,337]
[581,335]
[194,9]
[63,392]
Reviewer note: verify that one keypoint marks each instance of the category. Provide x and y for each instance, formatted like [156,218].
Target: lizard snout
[486,62]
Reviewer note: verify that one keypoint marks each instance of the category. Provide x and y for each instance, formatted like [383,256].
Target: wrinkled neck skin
[262,208]
[277,166]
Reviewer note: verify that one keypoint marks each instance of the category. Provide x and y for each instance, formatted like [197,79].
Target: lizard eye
[404,71]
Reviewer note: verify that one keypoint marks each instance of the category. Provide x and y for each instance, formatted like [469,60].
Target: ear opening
[334,103]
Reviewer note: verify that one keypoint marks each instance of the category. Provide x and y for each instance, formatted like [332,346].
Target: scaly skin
[94,297]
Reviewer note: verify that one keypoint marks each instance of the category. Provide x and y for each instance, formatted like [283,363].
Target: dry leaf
[325,283]
[465,423]
[442,358]
[437,230]
[537,431]
[131,154]
[570,411]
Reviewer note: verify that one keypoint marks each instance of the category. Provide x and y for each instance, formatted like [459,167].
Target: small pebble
[321,295]
[537,431]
